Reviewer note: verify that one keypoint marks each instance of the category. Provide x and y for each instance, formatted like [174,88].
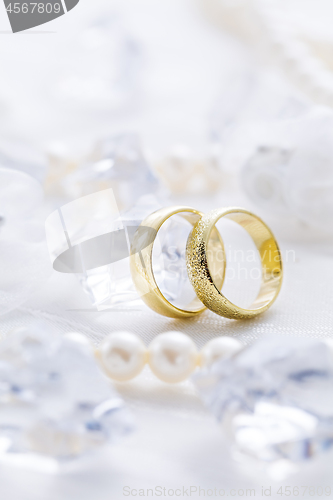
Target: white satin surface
[177,442]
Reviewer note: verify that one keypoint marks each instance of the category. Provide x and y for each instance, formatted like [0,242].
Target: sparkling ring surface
[198,265]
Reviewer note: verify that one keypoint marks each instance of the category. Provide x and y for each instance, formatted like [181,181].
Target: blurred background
[211,89]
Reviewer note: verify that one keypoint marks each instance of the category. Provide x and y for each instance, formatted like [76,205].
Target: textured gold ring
[198,266]
[142,267]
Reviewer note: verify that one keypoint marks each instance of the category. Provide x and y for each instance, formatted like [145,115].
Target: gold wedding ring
[202,279]
[142,267]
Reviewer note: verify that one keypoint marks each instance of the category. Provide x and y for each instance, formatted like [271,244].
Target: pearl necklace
[172,356]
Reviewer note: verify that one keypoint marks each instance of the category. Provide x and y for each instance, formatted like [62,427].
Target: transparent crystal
[114,192]
[55,402]
[112,285]
[118,163]
[291,170]
[274,398]
[250,106]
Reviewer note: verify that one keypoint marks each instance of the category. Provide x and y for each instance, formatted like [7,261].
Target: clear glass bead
[55,401]
[272,399]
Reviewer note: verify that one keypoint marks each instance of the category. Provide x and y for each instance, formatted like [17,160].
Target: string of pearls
[172,356]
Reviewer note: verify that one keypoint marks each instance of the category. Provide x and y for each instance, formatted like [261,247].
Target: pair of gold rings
[206,262]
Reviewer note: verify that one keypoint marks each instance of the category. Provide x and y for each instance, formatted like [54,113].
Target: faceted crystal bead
[292,172]
[55,402]
[273,398]
[100,240]
[118,163]
[112,285]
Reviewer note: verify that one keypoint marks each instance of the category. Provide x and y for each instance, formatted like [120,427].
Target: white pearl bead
[122,355]
[218,348]
[173,356]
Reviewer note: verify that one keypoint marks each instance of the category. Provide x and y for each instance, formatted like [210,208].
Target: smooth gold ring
[199,270]
[142,268]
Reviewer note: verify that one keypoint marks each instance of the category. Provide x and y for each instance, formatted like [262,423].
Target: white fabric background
[177,443]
